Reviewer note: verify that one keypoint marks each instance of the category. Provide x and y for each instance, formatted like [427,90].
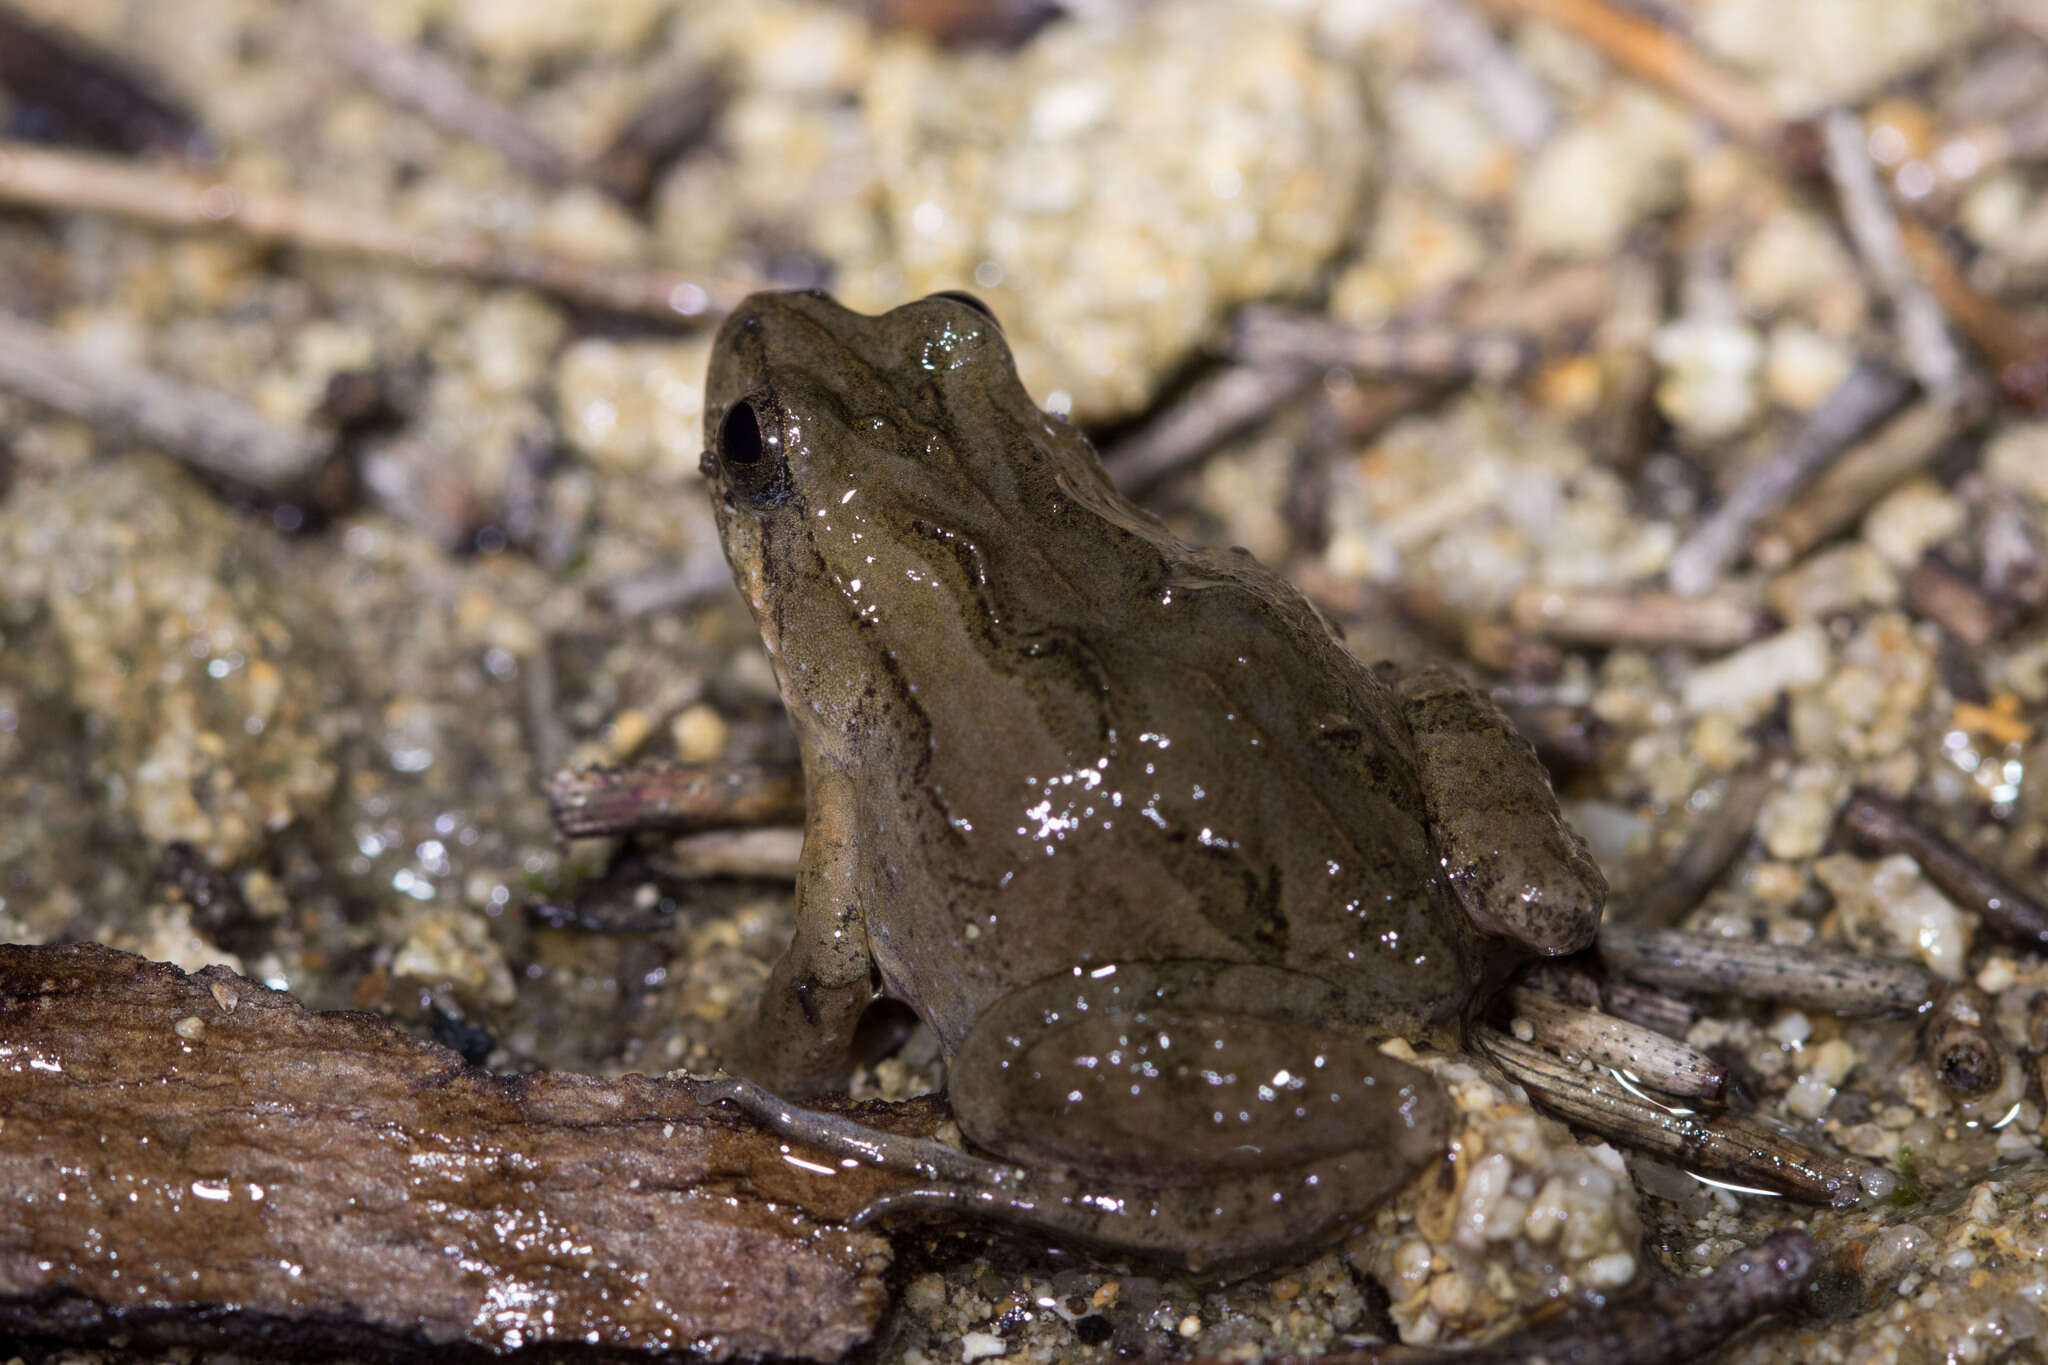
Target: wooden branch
[70,182]
[200,1160]
[1817,978]
[1731,1146]
[1663,1064]
[432,87]
[209,431]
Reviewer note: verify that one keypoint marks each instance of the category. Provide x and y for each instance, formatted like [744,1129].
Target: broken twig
[1871,392]
[71,182]
[211,432]
[1859,478]
[1732,1146]
[1651,1059]
[1640,617]
[1232,400]
[769,853]
[1817,978]
[1887,827]
[1721,833]
[432,86]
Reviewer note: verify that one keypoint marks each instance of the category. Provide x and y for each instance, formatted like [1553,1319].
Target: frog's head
[877,481]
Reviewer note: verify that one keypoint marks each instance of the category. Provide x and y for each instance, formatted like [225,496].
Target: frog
[1178,882]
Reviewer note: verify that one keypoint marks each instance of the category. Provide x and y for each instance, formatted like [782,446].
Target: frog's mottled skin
[1158,859]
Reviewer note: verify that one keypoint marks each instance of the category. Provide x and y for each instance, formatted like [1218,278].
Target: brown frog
[1160,862]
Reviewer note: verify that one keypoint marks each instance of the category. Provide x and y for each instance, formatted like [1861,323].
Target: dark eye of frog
[750,456]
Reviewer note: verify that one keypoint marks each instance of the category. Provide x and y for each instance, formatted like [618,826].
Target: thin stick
[1733,1146]
[1265,336]
[1817,978]
[1859,478]
[1514,100]
[1662,59]
[1635,616]
[2018,355]
[1721,833]
[1866,210]
[1871,392]
[1229,401]
[434,88]
[679,117]
[67,181]
[2004,908]
[672,797]
[1663,1064]
[209,431]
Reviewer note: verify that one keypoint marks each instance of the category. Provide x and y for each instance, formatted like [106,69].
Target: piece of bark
[678,119]
[1640,617]
[1233,399]
[1721,833]
[433,87]
[199,1160]
[1862,475]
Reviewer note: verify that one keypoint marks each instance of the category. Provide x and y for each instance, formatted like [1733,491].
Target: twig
[1817,978]
[1721,833]
[1871,392]
[1663,1064]
[1862,476]
[434,88]
[678,118]
[1653,1009]
[1268,337]
[209,431]
[1635,616]
[2004,908]
[672,797]
[1733,1146]
[1930,352]
[1972,1060]
[71,182]
[2018,355]
[99,95]
[1234,399]
[770,854]
[1663,60]
[1517,104]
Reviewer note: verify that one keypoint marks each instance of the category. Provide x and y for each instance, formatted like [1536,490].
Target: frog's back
[1171,756]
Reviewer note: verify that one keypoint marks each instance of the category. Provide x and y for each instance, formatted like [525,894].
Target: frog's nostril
[739,438]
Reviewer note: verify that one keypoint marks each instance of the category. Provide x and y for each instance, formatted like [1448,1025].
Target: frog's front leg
[1214,1112]
[803,1031]
[1519,870]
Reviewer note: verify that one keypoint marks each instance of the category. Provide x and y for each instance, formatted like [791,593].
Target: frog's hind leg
[1518,869]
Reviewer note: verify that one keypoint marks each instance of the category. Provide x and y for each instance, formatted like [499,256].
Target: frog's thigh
[803,1033]
[1194,1075]
[1517,867]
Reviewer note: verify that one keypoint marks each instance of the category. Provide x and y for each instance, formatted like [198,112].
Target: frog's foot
[1518,869]
[844,1137]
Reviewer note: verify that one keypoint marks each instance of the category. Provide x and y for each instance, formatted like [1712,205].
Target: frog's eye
[750,456]
[739,439]
[961,296]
